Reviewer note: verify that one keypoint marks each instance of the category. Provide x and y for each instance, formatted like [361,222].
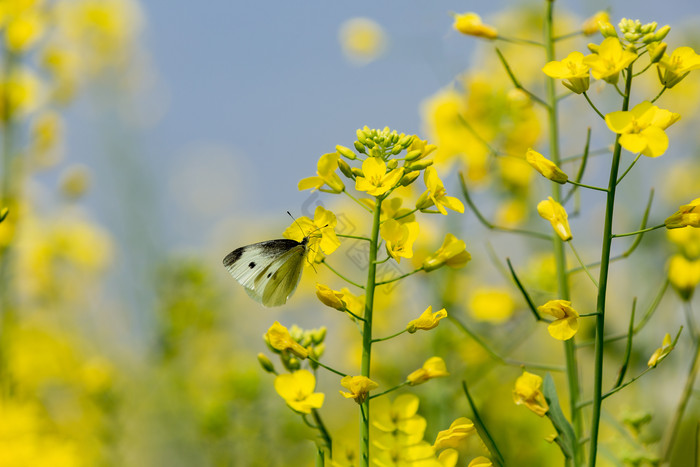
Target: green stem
[516,83]
[629,168]
[603,286]
[663,90]
[590,187]
[367,330]
[357,201]
[390,390]
[356,237]
[328,442]
[342,276]
[389,337]
[389,281]
[583,265]
[671,434]
[637,232]
[514,40]
[339,373]
[593,106]
[558,245]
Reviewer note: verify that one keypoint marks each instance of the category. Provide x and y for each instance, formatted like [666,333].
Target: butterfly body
[269,271]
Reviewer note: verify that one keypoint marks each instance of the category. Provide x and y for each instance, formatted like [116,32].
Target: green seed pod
[345,169]
[346,152]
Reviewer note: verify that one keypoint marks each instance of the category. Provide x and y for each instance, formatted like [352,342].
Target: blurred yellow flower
[399,417]
[321,233]
[427,320]
[448,458]
[572,70]
[75,181]
[591,25]
[480,461]
[544,166]
[23,31]
[453,253]
[556,214]
[511,212]
[362,40]
[684,275]
[661,353]
[687,238]
[279,339]
[20,92]
[330,297]
[325,175]
[528,391]
[565,323]
[687,215]
[455,435]
[375,180]
[609,60]
[436,195]
[297,389]
[471,25]
[359,387]
[491,304]
[642,128]
[434,367]
[399,238]
[353,303]
[673,69]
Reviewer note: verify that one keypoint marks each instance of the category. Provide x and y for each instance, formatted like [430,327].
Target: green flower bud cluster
[635,32]
[312,340]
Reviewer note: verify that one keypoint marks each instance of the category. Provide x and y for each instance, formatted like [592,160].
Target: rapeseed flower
[609,60]
[544,166]
[359,387]
[565,323]
[374,179]
[321,233]
[556,214]
[453,253]
[297,389]
[325,175]
[436,195]
[673,69]
[662,352]
[687,215]
[572,70]
[427,320]
[455,435]
[330,297]
[684,275]
[399,238]
[434,367]
[528,391]
[280,339]
[471,25]
[641,129]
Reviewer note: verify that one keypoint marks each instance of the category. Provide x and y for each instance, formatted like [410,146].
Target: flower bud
[357,172]
[409,178]
[346,152]
[648,38]
[345,169]
[591,25]
[593,47]
[359,147]
[657,51]
[662,33]
[266,364]
[405,141]
[415,154]
[392,164]
[396,149]
[419,165]
[544,166]
[606,29]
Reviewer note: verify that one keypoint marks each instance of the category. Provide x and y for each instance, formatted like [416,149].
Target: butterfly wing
[254,266]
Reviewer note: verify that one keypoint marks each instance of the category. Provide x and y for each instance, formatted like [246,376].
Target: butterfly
[269,271]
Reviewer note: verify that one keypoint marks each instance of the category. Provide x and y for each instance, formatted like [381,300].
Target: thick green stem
[558,244]
[603,285]
[367,331]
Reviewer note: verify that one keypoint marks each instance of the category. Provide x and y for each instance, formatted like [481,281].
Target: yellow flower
[556,214]
[453,437]
[528,391]
[592,26]
[399,417]
[399,238]
[673,69]
[353,303]
[434,367]
[75,181]
[427,320]
[297,389]
[436,194]
[491,305]
[22,32]
[325,175]
[279,339]
[610,59]
[330,297]
[359,387]
[422,146]
[321,233]
[661,353]
[480,461]
[20,92]
[471,25]
[545,167]
[686,238]
[511,212]
[684,275]
[687,215]
[452,253]
[375,180]
[572,70]
[565,322]
[362,40]
[448,458]
[642,128]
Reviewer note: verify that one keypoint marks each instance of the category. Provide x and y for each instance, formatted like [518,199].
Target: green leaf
[566,437]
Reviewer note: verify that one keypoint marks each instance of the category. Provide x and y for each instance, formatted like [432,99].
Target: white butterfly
[270,271]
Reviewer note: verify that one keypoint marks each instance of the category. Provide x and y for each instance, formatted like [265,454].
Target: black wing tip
[232,257]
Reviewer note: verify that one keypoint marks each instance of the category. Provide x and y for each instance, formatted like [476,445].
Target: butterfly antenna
[297,223]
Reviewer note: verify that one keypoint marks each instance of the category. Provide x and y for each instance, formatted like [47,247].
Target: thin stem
[390,390]
[406,214]
[341,276]
[637,232]
[663,90]
[583,265]
[515,81]
[628,347]
[590,102]
[356,237]
[482,430]
[590,187]
[567,36]
[530,303]
[389,281]
[324,434]
[514,40]
[389,337]
[364,206]
[339,373]
[477,136]
[603,285]
[367,330]
[595,152]
[572,377]
[491,226]
[628,168]
[582,167]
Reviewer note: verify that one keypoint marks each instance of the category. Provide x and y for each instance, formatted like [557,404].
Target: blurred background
[148,139]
